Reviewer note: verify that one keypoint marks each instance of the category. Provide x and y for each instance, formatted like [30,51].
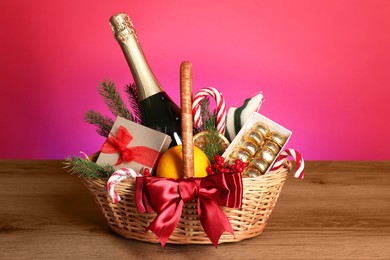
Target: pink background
[323,67]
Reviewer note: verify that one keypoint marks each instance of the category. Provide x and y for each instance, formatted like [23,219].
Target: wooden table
[341,210]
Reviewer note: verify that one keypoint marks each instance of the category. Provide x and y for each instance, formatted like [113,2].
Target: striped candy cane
[116,178]
[300,163]
[220,103]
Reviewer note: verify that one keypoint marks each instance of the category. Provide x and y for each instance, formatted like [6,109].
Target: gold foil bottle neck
[122,27]
[124,33]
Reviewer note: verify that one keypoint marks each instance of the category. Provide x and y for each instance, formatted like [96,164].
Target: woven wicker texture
[259,198]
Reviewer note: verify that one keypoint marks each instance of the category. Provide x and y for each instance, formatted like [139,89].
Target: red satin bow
[167,196]
[118,144]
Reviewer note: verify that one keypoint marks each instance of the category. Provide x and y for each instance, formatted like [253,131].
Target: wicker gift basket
[259,195]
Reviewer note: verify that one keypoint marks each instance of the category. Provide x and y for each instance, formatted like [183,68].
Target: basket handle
[186,118]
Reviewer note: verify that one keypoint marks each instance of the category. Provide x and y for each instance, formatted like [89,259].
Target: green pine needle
[103,123]
[113,100]
[131,91]
[88,169]
[213,144]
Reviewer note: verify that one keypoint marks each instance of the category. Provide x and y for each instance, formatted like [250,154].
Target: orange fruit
[171,163]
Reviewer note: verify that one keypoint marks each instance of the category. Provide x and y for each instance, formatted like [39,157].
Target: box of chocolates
[258,144]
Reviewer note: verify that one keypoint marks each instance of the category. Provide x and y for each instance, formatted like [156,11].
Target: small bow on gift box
[166,197]
[119,143]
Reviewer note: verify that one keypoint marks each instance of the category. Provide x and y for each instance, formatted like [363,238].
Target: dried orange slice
[200,140]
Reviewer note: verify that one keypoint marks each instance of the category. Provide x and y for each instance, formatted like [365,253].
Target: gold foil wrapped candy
[242,154]
[259,164]
[266,154]
[272,146]
[255,137]
[262,129]
[249,146]
[251,173]
[277,138]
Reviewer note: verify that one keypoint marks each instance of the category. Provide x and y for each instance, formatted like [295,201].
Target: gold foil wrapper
[272,146]
[251,173]
[277,138]
[259,164]
[266,154]
[255,137]
[249,146]
[262,129]
[242,154]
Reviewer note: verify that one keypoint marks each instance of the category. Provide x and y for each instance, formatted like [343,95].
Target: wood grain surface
[339,211]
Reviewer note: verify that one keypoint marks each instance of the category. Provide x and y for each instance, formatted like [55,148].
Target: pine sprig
[132,94]
[213,144]
[103,123]
[86,168]
[113,100]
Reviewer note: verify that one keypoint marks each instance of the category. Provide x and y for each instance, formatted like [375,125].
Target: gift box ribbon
[166,197]
[118,144]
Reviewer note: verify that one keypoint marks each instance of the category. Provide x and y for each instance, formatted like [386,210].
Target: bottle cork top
[121,26]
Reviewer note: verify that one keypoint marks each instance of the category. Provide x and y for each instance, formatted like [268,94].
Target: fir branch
[113,100]
[86,168]
[213,144]
[210,124]
[103,123]
[132,94]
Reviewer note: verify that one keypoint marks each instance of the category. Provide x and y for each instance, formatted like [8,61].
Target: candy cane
[300,163]
[116,178]
[221,107]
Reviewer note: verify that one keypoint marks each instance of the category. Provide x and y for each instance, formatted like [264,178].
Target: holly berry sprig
[219,166]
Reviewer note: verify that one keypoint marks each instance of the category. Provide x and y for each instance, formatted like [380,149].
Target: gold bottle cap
[122,27]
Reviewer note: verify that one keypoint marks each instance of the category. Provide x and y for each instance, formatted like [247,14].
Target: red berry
[146,172]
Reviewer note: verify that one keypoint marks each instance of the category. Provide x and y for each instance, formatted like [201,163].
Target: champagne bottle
[158,111]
